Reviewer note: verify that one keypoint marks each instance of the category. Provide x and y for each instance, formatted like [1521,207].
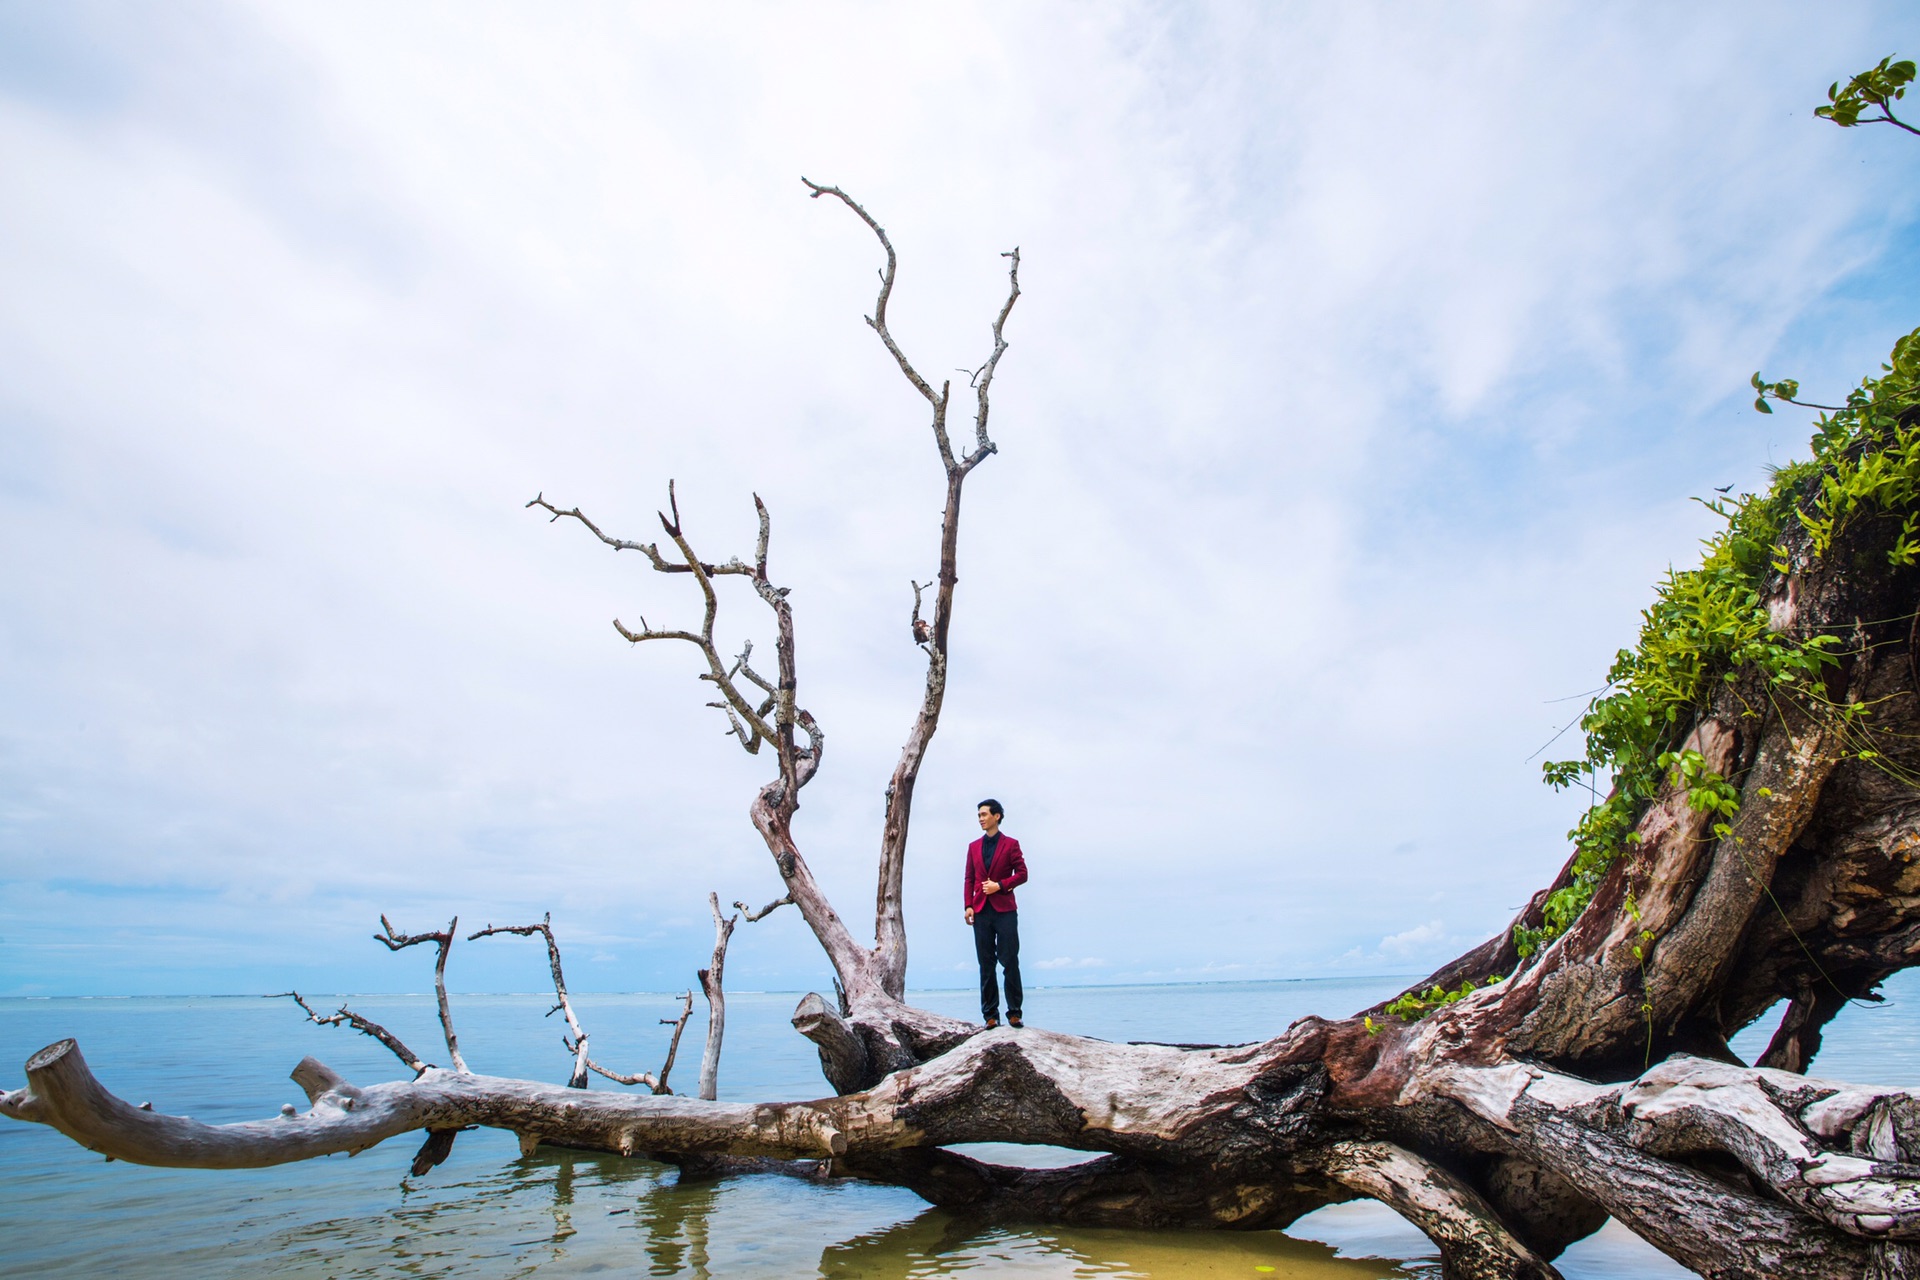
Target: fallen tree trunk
[1761,845]
[1734,1171]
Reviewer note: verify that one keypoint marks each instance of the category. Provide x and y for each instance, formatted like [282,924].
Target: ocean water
[488,1212]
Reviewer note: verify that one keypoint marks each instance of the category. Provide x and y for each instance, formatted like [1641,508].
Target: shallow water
[488,1212]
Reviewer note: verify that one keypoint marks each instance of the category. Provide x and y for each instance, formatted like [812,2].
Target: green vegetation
[1708,625]
[1415,1005]
[1878,86]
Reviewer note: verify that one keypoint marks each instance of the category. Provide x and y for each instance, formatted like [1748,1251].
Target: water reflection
[676,1219]
[921,1241]
[938,1243]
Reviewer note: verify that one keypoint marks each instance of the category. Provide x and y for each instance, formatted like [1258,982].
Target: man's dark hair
[992,807]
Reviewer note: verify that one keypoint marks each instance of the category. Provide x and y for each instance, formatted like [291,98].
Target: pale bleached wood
[658,1083]
[713,984]
[442,939]
[576,1043]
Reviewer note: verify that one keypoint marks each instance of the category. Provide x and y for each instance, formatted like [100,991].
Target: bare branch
[366,1026]
[751,741]
[649,549]
[435,1150]
[711,986]
[657,1083]
[644,1077]
[671,526]
[982,379]
[771,714]
[578,1045]
[879,317]
[741,667]
[647,632]
[679,1025]
[444,940]
[717,673]
[63,1092]
[889,954]
[765,911]
[1450,1212]
[809,755]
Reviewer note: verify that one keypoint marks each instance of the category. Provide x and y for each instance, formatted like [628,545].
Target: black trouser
[996,936]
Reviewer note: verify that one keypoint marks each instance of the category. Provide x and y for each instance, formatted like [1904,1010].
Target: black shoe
[1013,1020]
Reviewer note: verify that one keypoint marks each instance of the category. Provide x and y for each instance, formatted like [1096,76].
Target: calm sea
[487,1212]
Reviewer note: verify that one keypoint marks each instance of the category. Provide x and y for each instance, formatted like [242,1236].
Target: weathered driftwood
[576,1042]
[1790,1175]
[442,939]
[1595,1080]
[712,985]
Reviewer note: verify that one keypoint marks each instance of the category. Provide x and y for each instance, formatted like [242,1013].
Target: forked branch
[890,937]
[650,550]
[656,1083]
[443,939]
[753,720]
[577,1043]
[981,378]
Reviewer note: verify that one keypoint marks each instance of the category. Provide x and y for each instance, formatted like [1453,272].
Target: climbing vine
[1710,624]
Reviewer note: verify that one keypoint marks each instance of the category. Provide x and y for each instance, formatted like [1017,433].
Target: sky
[1368,361]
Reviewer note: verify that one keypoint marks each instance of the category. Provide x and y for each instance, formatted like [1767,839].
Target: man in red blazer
[995,866]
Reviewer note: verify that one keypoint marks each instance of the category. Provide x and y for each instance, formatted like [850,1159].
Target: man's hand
[989,887]
[969,915]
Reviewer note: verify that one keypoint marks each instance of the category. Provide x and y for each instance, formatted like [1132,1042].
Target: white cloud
[1412,941]
[1341,432]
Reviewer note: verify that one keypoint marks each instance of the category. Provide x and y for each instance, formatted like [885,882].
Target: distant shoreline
[795,991]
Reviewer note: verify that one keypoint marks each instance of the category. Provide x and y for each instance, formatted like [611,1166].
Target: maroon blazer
[1009,868]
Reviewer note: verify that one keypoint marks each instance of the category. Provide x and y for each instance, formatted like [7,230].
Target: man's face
[989,821]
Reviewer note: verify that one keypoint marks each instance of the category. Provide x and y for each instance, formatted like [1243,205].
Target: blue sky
[1368,361]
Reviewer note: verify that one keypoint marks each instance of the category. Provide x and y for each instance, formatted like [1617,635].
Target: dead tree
[1574,1067]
